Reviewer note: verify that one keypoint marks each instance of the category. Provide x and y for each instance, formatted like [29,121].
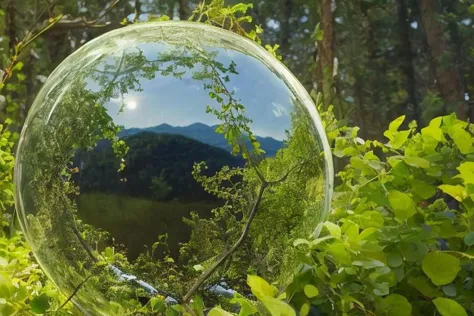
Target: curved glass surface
[162,151]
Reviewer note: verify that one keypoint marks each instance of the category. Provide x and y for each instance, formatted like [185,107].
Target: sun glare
[131,105]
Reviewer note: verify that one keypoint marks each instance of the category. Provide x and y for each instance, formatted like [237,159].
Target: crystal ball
[169,160]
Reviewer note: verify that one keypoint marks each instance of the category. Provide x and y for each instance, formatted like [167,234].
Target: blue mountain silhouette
[205,134]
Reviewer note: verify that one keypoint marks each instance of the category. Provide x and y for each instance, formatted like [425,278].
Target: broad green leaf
[260,287]
[449,307]
[462,139]
[456,191]
[402,205]
[396,123]
[469,239]
[198,267]
[394,258]
[422,189]
[368,233]
[433,130]
[277,307]
[216,311]
[413,251]
[450,290]
[368,264]
[417,162]
[371,219]
[394,305]
[466,170]
[399,139]
[246,307]
[300,241]
[40,304]
[441,268]
[311,291]
[157,304]
[422,284]
[304,310]
[333,229]
[339,252]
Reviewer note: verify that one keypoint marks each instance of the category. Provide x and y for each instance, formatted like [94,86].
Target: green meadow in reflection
[180,154]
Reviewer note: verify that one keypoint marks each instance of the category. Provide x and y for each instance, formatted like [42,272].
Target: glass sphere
[170,159]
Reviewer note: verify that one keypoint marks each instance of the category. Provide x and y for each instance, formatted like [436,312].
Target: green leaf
[246,307]
[462,139]
[399,139]
[198,267]
[422,189]
[433,130]
[217,311]
[402,205]
[40,304]
[300,241]
[449,307]
[413,251]
[304,310]
[157,304]
[441,268]
[424,286]
[394,305]
[466,170]
[333,229]
[338,251]
[396,123]
[469,239]
[311,291]
[394,258]
[277,307]
[318,33]
[260,288]
[417,162]
[456,191]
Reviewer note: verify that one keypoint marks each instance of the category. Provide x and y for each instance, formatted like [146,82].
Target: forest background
[380,64]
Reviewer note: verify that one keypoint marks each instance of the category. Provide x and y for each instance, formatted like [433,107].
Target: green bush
[399,240]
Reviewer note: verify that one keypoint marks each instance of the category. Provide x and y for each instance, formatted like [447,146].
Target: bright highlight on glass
[170,159]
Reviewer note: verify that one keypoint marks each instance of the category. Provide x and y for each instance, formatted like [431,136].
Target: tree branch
[81,22]
[229,253]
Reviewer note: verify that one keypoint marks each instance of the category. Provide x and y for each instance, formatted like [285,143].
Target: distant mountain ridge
[205,134]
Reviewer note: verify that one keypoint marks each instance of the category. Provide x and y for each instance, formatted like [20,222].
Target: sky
[181,102]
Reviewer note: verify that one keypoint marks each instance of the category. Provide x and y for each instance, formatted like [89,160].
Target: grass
[137,222]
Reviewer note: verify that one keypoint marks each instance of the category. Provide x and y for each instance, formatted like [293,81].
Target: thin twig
[74,293]
[229,253]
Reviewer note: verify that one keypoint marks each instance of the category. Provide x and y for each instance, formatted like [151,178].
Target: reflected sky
[182,101]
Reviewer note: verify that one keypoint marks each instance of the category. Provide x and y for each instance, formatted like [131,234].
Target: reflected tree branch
[229,253]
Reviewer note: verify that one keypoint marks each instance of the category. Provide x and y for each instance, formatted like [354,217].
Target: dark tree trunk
[183,9]
[10,25]
[448,79]
[285,27]
[325,54]
[406,59]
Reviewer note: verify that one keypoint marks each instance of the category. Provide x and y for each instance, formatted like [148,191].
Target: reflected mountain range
[205,134]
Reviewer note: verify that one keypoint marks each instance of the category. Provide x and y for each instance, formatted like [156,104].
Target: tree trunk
[285,27]
[325,54]
[406,59]
[183,9]
[10,25]
[448,79]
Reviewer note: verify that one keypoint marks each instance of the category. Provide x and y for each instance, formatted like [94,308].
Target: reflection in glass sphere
[163,152]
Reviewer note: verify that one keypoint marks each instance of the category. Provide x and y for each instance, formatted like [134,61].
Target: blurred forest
[397,221]
[378,59]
